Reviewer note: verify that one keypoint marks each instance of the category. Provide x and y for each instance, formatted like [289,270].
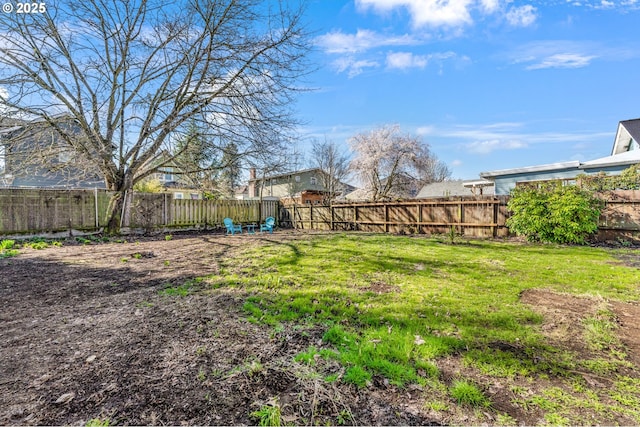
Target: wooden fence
[27,211]
[479,217]
[469,216]
[68,211]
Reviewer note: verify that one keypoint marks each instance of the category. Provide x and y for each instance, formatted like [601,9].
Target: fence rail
[28,211]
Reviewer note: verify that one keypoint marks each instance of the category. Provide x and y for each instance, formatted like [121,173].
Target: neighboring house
[456,188]
[625,153]
[302,187]
[31,155]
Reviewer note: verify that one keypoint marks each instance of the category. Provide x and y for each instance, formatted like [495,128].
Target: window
[297,178]
[314,180]
[178,196]
[194,196]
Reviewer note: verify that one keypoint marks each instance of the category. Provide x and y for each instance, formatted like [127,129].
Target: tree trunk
[114,213]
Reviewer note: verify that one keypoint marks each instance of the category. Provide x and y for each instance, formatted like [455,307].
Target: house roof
[628,131]
[456,187]
[286,174]
[539,168]
[625,158]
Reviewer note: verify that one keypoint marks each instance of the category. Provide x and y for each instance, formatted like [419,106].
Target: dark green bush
[553,213]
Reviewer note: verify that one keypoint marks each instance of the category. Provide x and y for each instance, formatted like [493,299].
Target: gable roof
[628,131]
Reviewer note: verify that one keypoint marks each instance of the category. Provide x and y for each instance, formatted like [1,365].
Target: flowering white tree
[391,164]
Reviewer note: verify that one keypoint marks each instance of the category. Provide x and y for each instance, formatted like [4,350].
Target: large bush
[553,213]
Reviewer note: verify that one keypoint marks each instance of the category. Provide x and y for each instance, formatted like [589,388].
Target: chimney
[252,173]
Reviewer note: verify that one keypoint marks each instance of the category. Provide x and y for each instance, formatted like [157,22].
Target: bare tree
[391,164]
[132,74]
[334,164]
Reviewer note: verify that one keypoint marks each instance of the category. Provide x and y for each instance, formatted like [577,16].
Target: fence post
[95,201]
[333,217]
[386,218]
[495,218]
[295,218]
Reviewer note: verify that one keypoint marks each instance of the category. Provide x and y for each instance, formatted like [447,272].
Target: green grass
[393,306]
[180,291]
[467,393]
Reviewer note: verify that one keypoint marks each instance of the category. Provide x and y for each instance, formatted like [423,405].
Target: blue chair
[268,225]
[231,227]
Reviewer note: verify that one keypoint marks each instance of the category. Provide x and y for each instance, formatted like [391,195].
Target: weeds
[98,422]
[180,291]
[600,330]
[6,249]
[269,414]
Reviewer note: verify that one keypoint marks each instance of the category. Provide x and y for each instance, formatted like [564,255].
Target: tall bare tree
[334,164]
[132,74]
[391,164]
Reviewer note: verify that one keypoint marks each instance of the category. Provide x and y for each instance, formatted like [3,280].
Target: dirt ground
[86,334]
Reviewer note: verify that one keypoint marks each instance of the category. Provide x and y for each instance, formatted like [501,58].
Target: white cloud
[404,60]
[562,60]
[434,13]
[352,66]
[490,6]
[456,163]
[362,40]
[486,147]
[522,16]
[563,54]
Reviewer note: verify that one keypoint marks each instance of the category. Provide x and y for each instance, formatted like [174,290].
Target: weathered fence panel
[471,216]
[28,210]
[41,211]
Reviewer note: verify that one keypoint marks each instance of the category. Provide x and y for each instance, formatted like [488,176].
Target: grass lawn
[447,319]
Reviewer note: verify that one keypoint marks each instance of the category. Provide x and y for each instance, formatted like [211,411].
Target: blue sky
[488,84]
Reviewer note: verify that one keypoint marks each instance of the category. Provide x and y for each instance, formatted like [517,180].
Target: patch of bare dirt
[86,333]
[379,287]
[564,315]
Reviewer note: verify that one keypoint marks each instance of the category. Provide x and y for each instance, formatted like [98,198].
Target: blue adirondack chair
[268,225]
[231,227]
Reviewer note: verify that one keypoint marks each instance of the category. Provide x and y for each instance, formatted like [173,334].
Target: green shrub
[553,213]
[628,179]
